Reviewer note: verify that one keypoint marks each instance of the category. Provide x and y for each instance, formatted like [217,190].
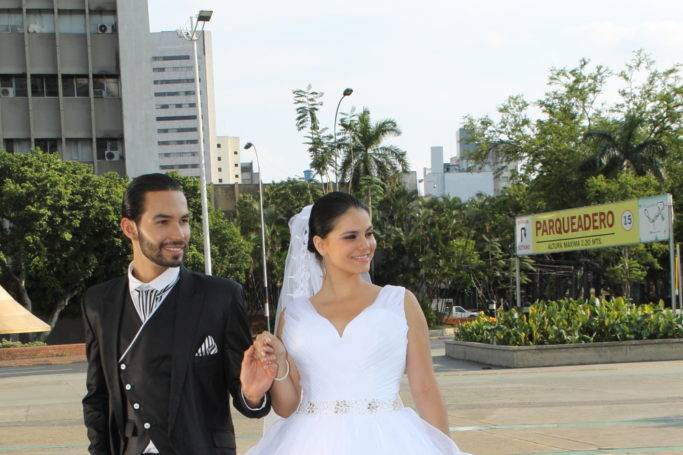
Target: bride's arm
[285,394]
[423,385]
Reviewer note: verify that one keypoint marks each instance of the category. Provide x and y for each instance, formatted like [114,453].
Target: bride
[341,346]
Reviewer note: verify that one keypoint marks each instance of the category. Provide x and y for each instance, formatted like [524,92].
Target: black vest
[146,376]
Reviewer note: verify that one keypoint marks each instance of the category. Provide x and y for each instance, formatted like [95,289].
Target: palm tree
[364,154]
[621,148]
[318,140]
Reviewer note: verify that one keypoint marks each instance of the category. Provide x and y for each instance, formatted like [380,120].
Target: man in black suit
[165,345]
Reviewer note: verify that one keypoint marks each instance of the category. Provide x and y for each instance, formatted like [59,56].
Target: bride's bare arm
[285,393]
[423,385]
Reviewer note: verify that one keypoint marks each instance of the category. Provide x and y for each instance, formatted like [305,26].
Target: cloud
[609,34]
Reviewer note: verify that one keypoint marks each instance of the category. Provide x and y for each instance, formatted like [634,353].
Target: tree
[60,229]
[365,154]
[623,147]
[319,141]
[230,251]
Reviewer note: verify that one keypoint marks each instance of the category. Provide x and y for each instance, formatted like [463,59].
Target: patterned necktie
[149,298]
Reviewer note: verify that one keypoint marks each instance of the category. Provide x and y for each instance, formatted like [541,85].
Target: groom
[165,345]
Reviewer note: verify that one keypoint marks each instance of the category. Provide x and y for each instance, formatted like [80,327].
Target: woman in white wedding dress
[342,346]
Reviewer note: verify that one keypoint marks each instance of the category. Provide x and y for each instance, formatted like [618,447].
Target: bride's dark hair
[325,212]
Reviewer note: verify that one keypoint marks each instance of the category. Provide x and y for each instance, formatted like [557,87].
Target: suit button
[128,386]
[136,406]
[123,366]
[147,425]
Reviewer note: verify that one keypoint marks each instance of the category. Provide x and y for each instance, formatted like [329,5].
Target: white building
[225,166]
[75,80]
[462,177]
[447,179]
[175,108]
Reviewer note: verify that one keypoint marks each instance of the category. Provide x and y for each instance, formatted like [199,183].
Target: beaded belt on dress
[369,406]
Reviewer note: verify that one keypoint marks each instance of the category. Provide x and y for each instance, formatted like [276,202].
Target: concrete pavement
[632,408]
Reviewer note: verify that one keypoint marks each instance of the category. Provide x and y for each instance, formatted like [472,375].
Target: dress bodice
[366,362]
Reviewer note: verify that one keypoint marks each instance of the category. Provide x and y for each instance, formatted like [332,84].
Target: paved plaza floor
[634,408]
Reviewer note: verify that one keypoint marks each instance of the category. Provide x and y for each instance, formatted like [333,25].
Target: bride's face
[351,245]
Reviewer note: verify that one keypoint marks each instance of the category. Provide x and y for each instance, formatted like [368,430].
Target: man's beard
[155,254]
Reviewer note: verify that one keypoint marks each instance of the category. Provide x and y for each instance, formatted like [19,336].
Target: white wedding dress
[350,383]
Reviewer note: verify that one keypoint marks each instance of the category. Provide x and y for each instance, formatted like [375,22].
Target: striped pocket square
[208,347]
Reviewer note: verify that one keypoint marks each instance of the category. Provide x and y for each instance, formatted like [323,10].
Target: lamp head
[348,92]
[248,145]
[204,15]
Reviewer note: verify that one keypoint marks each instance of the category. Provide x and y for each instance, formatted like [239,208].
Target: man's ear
[129,229]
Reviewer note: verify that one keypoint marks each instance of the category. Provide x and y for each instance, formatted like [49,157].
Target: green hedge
[4,343]
[570,321]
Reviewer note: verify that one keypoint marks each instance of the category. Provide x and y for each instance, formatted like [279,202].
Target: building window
[77,86]
[237,176]
[218,145]
[174,81]
[176,130]
[178,154]
[78,150]
[40,21]
[47,145]
[166,58]
[185,93]
[220,180]
[69,21]
[236,152]
[42,86]
[109,150]
[106,87]
[11,20]
[102,22]
[11,86]
[179,166]
[219,158]
[180,142]
[176,117]
[220,169]
[18,145]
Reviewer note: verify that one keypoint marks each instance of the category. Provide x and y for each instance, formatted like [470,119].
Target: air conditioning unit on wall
[6,92]
[105,28]
[112,155]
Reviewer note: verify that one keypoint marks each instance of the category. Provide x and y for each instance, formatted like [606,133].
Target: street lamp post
[266,305]
[347,92]
[203,16]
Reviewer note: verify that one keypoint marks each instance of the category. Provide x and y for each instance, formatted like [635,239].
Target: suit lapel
[190,304]
[113,302]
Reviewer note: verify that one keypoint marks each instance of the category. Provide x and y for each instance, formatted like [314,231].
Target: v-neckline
[340,335]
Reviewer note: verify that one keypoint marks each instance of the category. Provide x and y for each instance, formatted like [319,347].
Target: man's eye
[350,237]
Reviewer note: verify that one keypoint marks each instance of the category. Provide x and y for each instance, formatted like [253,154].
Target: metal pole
[336,150]
[518,290]
[671,251]
[263,241]
[680,277]
[202,165]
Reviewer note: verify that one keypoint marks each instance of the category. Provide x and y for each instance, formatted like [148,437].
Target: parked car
[460,312]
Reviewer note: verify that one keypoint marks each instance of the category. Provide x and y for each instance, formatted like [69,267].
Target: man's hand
[256,377]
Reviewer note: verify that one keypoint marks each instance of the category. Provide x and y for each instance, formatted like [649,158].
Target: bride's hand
[269,348]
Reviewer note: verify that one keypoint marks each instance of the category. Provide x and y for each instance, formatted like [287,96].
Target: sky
[426,63]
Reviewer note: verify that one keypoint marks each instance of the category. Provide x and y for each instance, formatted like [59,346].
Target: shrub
[570,321]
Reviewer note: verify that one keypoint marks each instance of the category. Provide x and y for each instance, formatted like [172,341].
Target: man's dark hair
[134,198]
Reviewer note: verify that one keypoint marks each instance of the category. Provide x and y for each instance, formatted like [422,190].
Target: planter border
[57,353]
[566,354]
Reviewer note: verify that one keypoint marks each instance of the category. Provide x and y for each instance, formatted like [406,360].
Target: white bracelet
[286,373]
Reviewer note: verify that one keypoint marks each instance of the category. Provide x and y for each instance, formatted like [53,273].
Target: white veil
[303,277]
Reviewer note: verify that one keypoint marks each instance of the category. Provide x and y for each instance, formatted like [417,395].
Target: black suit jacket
[198,414]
